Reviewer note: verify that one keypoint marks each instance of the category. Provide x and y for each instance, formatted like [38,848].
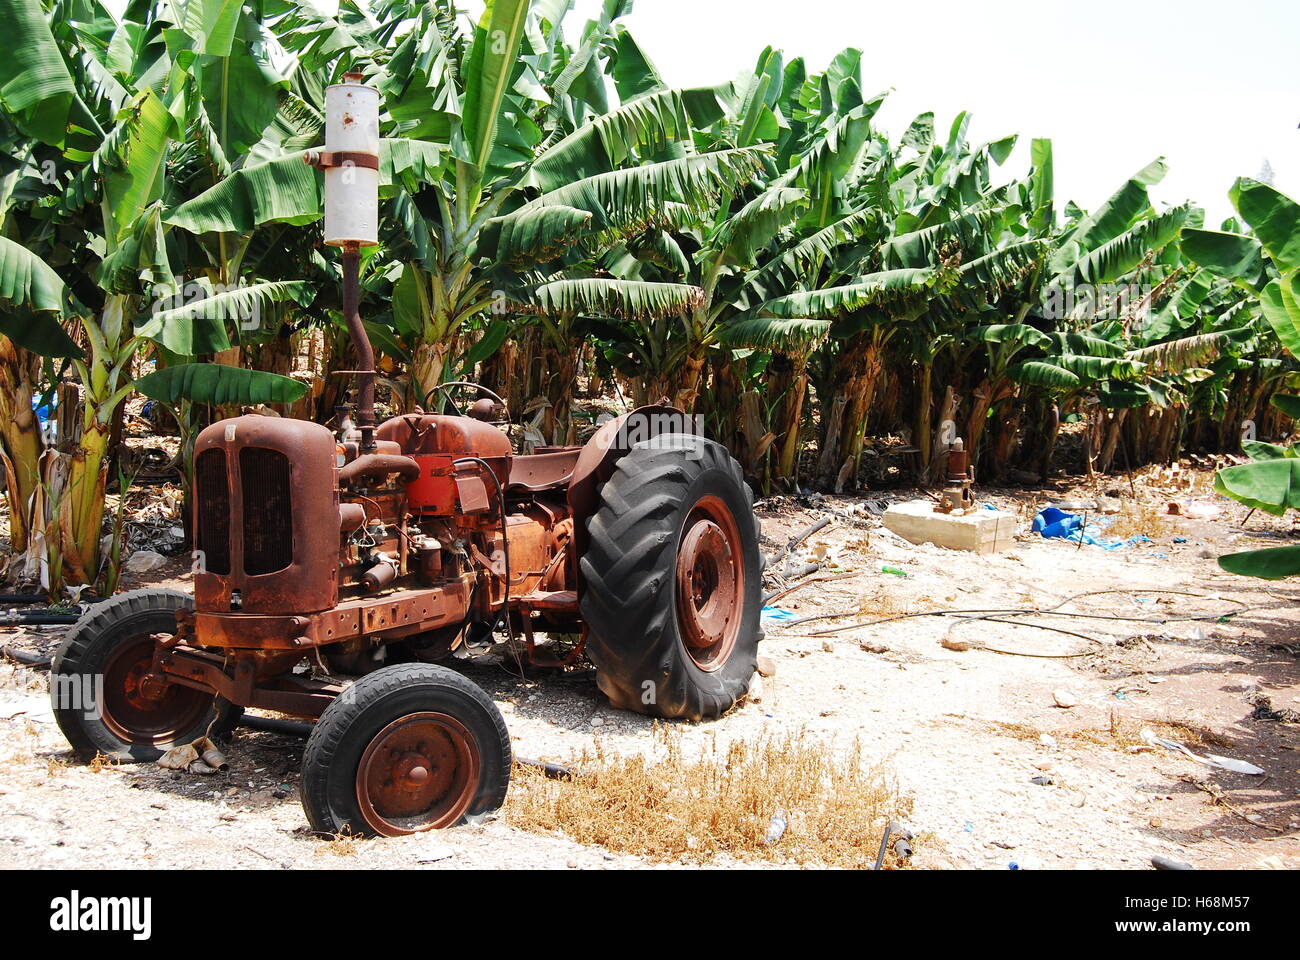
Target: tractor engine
[308,543]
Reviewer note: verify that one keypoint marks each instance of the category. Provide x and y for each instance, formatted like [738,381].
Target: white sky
[1213,87]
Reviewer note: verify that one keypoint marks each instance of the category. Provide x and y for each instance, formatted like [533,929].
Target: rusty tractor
[335,570]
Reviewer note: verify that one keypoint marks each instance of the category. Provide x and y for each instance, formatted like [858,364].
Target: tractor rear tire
[95,689]
[671,581]
[408,748]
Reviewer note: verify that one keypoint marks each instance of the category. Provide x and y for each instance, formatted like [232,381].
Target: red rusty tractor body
[306,545]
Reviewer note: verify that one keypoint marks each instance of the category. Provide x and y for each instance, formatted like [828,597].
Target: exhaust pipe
[351,164]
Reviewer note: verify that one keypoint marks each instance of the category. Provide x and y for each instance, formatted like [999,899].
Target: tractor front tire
[671,581]
[99,701]
[410,747]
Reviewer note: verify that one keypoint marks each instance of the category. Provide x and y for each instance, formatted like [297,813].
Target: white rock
[434,853]
[1047,740]
[1065,699]
[596,721]
[144,561]
[755,688]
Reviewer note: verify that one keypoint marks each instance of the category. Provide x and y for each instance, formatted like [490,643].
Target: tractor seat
[549,469]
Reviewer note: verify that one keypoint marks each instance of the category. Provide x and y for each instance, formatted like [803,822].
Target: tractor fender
[601,454]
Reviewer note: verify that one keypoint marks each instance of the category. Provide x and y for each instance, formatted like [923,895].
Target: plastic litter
[776,613]
[776,828]
[893,571]
[1210,759]
[1053,523]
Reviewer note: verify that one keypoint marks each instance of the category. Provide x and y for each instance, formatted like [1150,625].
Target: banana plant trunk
[687,387]
[988,394]
[921,423]
[561,373]
[789,382]
[857,369]
[20,436]
[1112,441]
[427,365]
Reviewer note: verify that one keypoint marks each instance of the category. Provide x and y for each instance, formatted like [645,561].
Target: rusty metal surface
[419,773]
[710,575]
[543,471]
[309,582]
[434,489]
[139,710]
[397,614]
[200,670]
[434,433]
[377,466]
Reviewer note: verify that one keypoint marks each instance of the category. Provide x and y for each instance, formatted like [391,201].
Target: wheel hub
[710,584]
[137,706]
[419,773]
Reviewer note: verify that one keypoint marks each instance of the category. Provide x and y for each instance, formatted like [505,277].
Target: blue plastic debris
[776,613]
[1054,523]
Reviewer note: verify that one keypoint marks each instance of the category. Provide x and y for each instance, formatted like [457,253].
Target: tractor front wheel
[407,748]
[103,697]
[671,581]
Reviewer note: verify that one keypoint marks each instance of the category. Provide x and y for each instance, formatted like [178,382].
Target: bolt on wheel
[710,583]
[408,748]
[419,773]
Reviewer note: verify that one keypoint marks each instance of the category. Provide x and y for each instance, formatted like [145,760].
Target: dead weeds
[1139,519]
[1121,732]
[694,807]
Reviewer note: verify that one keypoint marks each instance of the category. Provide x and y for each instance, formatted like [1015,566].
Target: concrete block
[981,531]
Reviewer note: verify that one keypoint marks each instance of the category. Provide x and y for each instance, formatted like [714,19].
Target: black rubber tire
[346,728]
[629,583]
[85,651]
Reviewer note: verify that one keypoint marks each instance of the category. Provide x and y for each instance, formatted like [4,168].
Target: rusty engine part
[957,497]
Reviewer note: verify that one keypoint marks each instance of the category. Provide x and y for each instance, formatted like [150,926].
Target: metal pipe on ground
[794,542]
[25,657]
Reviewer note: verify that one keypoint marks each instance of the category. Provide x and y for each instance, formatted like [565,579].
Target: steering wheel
[442,388]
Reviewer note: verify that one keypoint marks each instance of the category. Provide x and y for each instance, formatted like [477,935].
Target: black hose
[25,657]
[552,771]
[47,619]
[290,728]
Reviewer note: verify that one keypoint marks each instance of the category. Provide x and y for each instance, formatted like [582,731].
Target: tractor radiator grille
[268,520]
[213,498]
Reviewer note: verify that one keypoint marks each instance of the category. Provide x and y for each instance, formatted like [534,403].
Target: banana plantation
[561,225]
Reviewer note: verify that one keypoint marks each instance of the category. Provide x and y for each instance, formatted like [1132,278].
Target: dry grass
[1120,732]
[102,762]
[880,603]
[675,806]
[1141,519]
[342,844]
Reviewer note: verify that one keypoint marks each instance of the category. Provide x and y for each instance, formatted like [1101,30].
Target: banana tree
[1267,263]
[123,150]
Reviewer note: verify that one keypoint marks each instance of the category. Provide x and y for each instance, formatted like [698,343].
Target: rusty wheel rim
[419,773]
[710,583]
[144,713]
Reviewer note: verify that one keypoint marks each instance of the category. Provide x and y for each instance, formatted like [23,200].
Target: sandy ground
[964,732]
